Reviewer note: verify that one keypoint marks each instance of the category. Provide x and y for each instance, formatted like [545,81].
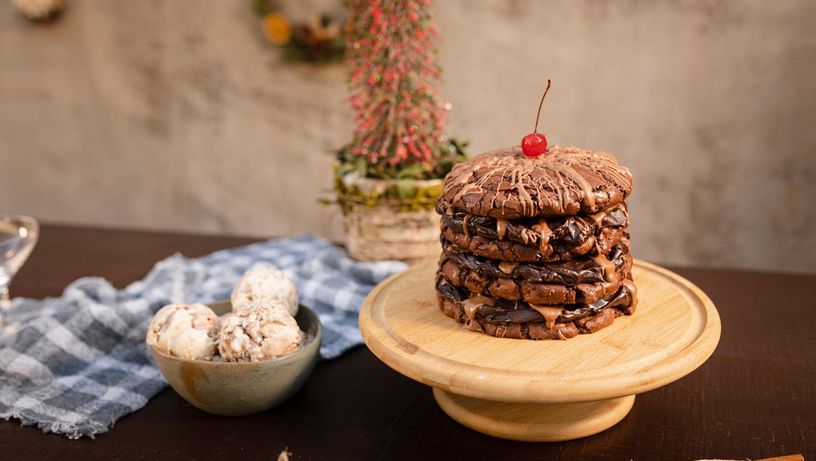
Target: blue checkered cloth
[75,364]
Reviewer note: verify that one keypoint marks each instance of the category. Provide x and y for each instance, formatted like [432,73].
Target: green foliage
[263,7]
[405,188]
[401,195]
[451,152]
[322,53]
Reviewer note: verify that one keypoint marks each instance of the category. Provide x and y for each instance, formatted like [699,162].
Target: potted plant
[387,180]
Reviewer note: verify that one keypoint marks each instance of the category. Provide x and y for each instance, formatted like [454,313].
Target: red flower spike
[392,81]
[535,144]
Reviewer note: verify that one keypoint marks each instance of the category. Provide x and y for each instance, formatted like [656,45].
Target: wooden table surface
[755,397]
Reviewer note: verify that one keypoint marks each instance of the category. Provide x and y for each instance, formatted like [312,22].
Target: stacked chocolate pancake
[536,248]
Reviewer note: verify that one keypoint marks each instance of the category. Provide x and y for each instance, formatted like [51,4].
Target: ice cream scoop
[188,331]
[265,286]
[257,334]
[241,388]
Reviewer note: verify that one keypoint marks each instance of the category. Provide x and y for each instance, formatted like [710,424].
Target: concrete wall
[177,115]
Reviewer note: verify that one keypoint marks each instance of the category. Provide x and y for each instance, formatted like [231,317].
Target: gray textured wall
[176,115]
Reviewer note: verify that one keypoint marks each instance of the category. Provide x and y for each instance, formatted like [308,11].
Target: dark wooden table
[755,397]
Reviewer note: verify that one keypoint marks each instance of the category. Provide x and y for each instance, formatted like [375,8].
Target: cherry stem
[549,83]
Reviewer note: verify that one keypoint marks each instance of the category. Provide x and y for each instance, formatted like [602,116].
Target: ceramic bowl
[242,388]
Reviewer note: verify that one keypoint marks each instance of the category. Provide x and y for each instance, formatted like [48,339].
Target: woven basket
[382,232]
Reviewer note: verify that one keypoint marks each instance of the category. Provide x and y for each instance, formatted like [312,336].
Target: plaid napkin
[75,364]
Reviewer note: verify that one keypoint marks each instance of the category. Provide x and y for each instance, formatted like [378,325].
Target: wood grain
[675,329]
[754,398]
[540,422]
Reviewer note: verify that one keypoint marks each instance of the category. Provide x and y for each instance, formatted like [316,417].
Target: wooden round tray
[541,390]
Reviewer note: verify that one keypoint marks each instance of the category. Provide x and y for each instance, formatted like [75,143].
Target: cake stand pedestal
[541,390]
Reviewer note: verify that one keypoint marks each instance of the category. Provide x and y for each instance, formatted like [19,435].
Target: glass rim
[27,221]
[19,217]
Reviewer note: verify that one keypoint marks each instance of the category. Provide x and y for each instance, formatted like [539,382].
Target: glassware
[18,235]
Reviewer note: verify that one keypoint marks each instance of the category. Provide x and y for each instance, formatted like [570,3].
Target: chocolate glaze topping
[565,181]
[507,250]
[553,234]
[501,310]
[569,273]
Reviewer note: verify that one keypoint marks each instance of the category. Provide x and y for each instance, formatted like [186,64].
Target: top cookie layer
[565,181]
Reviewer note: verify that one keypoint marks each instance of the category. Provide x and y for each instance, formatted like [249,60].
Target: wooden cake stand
[541,390]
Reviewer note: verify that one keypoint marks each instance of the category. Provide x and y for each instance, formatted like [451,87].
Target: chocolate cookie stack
[536,248]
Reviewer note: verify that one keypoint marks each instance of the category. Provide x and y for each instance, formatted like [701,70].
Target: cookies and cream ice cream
[257,334]
[265,286]
[188,331]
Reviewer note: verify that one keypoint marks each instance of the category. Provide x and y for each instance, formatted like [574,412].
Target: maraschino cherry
[535,144]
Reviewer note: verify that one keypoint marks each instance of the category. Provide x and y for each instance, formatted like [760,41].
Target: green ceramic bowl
[242,388]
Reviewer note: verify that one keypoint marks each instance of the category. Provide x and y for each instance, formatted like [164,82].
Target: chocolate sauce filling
[502,310]
[569,273]
[563,231]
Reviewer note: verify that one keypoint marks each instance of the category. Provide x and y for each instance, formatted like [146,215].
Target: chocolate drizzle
[548,234]
[504,311]
[565,181]
[569,273]
[536,248]
[501,228]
